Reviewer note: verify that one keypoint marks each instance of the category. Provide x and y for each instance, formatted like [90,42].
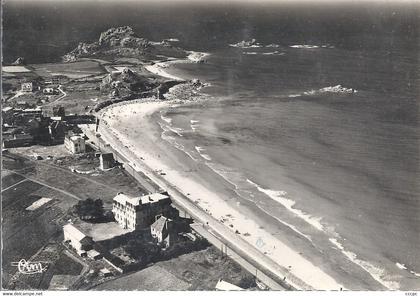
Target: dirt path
[65,171]
[63,95]
[44,184]
[11,186]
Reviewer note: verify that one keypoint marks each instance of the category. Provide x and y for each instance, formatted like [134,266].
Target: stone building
[27,87]
[140,212]
[75,144]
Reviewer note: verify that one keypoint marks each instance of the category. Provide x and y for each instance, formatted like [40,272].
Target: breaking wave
[279,196]
[337,89]
[306,46]
[237,180]
[200,151]
[242,187]
[194,124]
[310,46]
[376,272]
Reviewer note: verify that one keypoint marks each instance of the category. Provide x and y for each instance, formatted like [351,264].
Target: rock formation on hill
[126,81]
[123,42]
[19,61]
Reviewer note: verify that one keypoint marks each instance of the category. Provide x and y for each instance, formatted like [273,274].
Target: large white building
[75,144]
[140,212]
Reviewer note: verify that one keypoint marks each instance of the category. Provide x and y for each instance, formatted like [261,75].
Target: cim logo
[27,267]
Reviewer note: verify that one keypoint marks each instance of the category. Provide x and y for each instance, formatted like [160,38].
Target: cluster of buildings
[29,87]
[32,86]
[24,124]
[45,126]
[152,211]
[24,127]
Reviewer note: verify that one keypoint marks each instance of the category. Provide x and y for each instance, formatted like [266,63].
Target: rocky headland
[123,42]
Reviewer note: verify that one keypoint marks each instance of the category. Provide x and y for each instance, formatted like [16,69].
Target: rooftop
[107,156]
[74,137]
[93,253]
[135,201]
[74,232]
[225,286]
[160,223]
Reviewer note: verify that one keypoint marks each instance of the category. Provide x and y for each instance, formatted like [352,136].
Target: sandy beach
[158,67]
[141,131]
[134,126]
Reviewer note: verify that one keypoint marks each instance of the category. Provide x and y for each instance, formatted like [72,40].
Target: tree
[90,209]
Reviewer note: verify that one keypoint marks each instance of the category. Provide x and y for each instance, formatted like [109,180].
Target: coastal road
[216,241]
[199,228]
[145,182]
[277,273]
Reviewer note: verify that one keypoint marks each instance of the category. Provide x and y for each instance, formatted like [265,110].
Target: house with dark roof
[106,161]
[163,231]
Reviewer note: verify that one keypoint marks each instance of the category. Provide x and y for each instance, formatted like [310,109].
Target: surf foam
[203,155]
[376,272]
[279,196]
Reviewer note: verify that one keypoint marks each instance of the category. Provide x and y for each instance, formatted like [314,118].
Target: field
[24,181]
[59,263]
[153,278]
[74,70]
[57,173]
[16,69]
[25,232]
[82,96]
[202,269]
[80,82]
[198,270]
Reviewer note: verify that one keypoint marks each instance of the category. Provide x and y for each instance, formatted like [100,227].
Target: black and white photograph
[210,145]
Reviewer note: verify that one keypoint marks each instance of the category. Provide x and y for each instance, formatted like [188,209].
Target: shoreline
[158,67]
[305,275]
[214,198]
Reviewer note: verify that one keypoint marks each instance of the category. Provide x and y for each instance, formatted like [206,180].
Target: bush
[247,282]
[184,247]
[90,209]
